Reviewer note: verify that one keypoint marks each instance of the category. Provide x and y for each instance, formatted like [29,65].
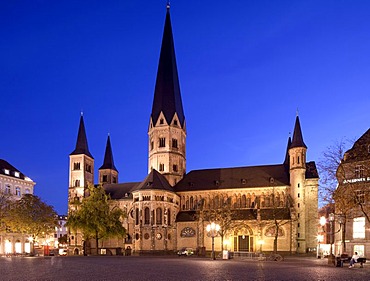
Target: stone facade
[170,208]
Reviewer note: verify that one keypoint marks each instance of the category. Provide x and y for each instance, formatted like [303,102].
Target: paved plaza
[173,268]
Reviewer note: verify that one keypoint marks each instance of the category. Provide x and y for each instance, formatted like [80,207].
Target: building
[61,232]
[14,184]
[165,209]
[352,199]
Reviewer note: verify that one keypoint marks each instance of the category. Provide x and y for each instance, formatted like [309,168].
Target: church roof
[297,140]
[108,157]
[240,177]
[286,160]
[154,180]
[167,96]
[360,150]
[4,165]
[120,190]
[81,144]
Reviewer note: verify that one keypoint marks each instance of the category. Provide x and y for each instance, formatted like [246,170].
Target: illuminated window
[360,249]
[27,191]
[7,189]
[16,174]
[18,191]
[6,171]
[359,227]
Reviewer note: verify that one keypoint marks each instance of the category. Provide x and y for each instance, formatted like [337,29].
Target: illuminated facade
[165,209]
[353,177]
[14,184]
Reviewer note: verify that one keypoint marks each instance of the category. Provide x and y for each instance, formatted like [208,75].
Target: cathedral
[164,211]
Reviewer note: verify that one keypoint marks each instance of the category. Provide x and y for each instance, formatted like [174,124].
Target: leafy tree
[95,217]
[30,215]
[5,201]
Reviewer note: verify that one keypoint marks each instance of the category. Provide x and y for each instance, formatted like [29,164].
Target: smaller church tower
[108,173]
[297,170]
[81,165]
[167,129]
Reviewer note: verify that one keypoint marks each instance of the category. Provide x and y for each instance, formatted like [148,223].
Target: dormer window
[16,174]
[243,181]
[6,172]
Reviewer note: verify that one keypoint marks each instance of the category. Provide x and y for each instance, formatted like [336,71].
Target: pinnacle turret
[108,157]
[297,140]
[81,144]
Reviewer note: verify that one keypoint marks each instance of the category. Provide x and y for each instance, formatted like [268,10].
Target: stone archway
[243,239]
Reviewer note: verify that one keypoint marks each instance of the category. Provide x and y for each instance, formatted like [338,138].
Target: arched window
[27,191]
[146,215]
[77,183]
[18,191]
[187,204]
[158,216]
[244,201]
[191,202]
[169,216]
[216,203]
[137,216]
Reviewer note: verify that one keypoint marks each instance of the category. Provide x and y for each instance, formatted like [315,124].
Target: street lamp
[213,229]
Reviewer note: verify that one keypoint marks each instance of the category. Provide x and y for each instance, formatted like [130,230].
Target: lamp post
[213,229]
[331,219]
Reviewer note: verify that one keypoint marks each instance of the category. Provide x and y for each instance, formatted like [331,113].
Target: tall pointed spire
[286,160]
[167,96]
[81,144]
[108,157]
[297,135]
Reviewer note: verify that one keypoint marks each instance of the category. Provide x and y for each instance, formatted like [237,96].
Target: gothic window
[161,167]
[146,215]
[76,166]
[270,232]
[77,183]
[191,202]
[169,216]
[244,201]
[18,191]
[298,160]
[162,142]
[161,121]
[175,122]
[137,216]
[151,145]
[174,143]
[187,232]
[158,216]
[216,202]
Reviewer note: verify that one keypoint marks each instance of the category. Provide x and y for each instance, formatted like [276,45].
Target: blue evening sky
[244,67]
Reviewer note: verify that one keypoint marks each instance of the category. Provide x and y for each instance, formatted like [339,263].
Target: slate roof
[154,180]
[360,150]
[120,190]
[167,96]
[81,144]
[185,216]
[240,177]
[4,165]
[297,140]
[311,170]
[108,157]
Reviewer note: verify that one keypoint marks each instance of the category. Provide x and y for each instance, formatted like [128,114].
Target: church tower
[167,128]
[297,169]
[81,165]
[108,173]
